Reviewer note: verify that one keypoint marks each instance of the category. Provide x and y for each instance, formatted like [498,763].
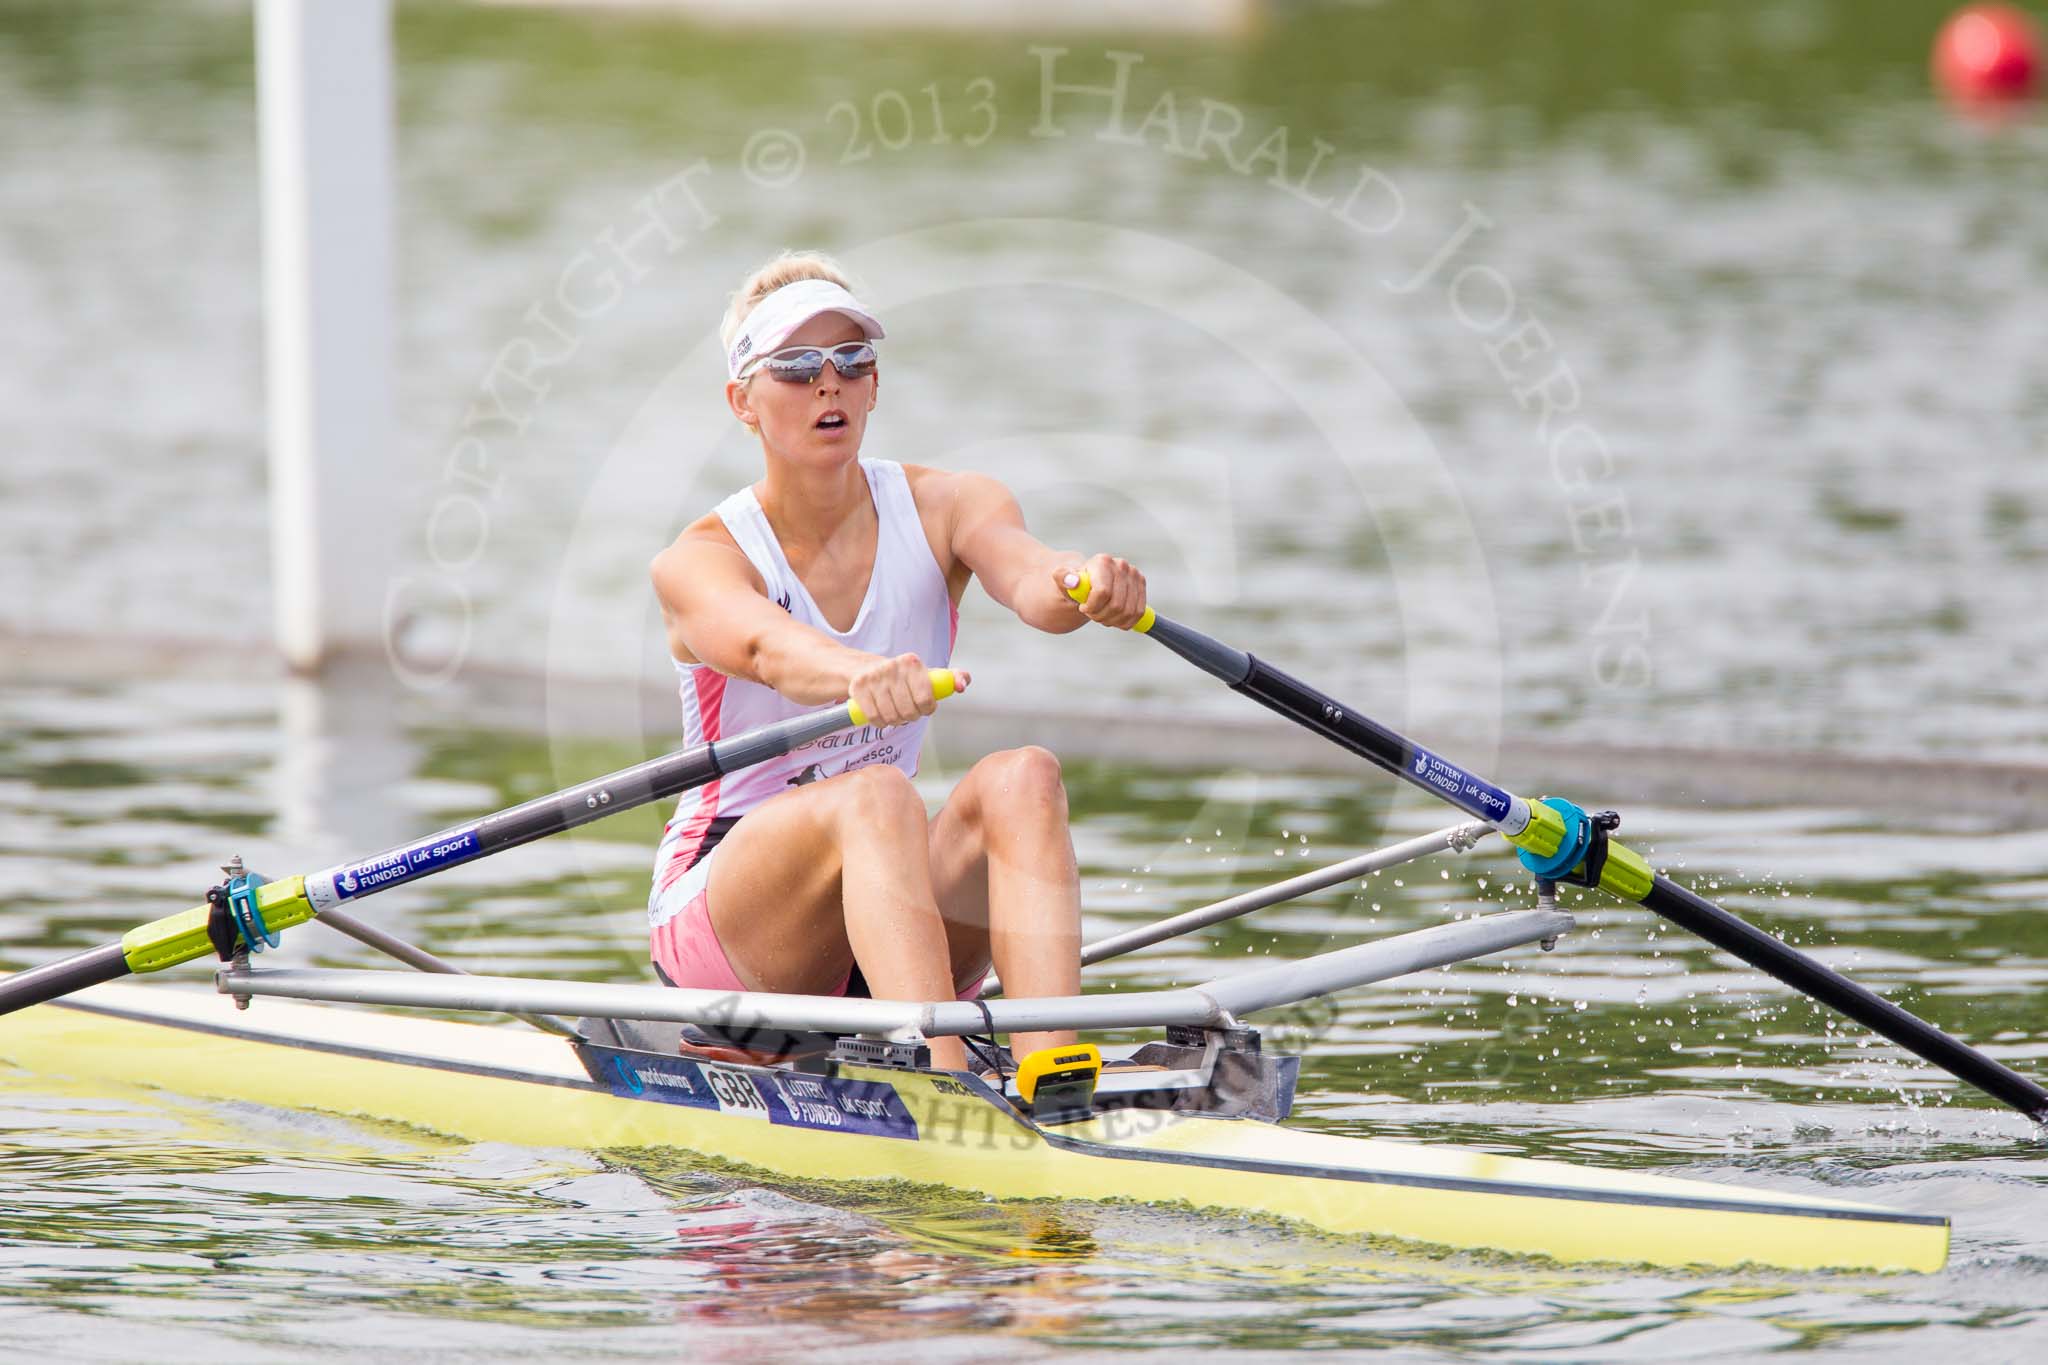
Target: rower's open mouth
[831,421]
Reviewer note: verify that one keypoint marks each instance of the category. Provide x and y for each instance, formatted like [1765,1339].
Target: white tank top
[907,611]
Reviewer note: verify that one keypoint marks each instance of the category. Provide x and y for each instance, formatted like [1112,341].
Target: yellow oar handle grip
[1079,592]
[944,684]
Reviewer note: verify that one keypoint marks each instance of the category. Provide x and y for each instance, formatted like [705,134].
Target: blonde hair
[787,268]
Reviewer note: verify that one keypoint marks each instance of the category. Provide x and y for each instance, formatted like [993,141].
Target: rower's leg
[830,874]
[1003,868]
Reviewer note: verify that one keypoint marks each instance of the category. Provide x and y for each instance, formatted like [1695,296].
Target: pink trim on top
[709,684]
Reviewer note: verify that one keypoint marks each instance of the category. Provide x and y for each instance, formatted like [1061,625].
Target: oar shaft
[1370,740]
[1625,874]
[294,900]
[669,775]
[94,967]
[1772,956]
[569,808]
[522,824]
[1342,725]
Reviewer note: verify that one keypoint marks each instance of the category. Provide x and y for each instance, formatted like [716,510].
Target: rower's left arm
[988,535]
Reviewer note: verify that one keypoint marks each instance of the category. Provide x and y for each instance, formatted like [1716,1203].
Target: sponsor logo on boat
[810,1102]
[784,1098]
[735,1092]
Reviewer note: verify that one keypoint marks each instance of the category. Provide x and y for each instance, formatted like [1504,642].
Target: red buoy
[1988,53]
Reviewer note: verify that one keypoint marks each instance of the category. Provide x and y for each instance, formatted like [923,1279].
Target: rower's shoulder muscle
[704,549]
[703,580]
[953,485]
[955,500]
[950,501]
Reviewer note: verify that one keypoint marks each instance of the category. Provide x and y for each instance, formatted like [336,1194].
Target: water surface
[1790,295]
[1797,303]
[237,1229]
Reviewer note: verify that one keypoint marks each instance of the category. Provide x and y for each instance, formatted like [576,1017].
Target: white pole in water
[324,95]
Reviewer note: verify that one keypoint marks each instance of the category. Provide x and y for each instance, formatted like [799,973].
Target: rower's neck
[813,506]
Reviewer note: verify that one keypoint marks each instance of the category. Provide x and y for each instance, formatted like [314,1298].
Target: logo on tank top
[814,773]
[885,754]
[782,600]
[851,739]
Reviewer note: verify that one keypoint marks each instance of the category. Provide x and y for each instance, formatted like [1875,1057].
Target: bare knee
[878,793]
[1030,769]
[1016,782]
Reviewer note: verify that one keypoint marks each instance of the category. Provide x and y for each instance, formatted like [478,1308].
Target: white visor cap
[788,308]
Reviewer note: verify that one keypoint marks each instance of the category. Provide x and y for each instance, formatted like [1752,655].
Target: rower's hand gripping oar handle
[945,683]
[1079,592]
[1543,830]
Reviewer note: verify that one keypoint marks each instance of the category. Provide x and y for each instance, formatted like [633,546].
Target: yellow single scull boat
[854,1121]
[821,1087]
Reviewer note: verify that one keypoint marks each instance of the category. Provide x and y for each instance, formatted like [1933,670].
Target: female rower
[838,577]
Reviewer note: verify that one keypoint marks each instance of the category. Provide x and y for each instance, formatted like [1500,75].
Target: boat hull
[865,1123]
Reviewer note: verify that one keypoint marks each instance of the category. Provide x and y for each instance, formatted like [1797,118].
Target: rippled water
[240,1231]
[1798,301]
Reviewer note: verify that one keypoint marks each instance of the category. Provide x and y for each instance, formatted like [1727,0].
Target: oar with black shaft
[1560,842]
[260,909]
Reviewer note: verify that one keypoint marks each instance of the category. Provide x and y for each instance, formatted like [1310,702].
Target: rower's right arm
[717,612]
